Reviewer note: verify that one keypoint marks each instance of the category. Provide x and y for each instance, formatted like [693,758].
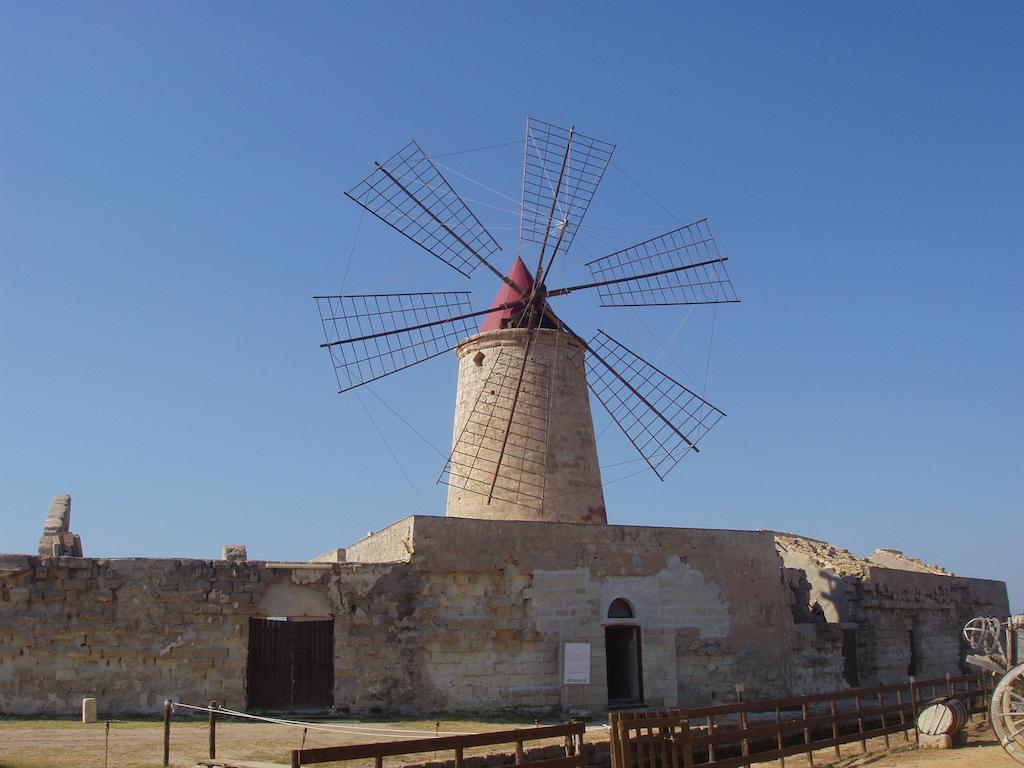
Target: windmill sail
[683,266]
[663,419]
[373,335]
[514,399]
[408,193]
[554,202]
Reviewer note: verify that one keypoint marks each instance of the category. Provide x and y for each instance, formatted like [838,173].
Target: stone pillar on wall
[57,538]
[549,470]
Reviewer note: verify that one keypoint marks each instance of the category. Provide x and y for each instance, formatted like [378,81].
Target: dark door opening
[850,673]
[291,664]
[912,666]
[625,672]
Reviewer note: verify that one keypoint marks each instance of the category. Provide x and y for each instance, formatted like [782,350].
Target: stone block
[235,553]
[942,740]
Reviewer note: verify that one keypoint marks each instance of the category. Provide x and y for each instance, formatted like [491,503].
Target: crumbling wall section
[138,631]
[910,622]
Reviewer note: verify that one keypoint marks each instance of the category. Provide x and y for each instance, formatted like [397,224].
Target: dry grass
[137,744]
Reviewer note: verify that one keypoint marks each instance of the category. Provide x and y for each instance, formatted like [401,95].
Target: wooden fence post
[860,726]
[687,745]
[212,720]
[745,741]
[779,740]
[833,708]
[807,734]
[903,716]
[885,725]
[167,733]
[915,693]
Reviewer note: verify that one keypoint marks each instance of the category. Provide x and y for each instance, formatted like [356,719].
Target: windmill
[523,444]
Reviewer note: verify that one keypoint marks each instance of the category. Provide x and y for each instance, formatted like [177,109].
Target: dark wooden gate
[291,664]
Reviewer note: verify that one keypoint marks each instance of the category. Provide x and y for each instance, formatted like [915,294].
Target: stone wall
[885,605]
[476,619]
[135,632]
[893,603]
[471,615]
[708,620]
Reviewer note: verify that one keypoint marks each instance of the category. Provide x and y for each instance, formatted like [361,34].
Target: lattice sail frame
[408,193]
[373,335]
[692,271]
[370,336]
[477,455]
[542,164]
[662,418]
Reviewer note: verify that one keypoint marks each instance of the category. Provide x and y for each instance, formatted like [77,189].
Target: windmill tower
[529,454]
[523,443]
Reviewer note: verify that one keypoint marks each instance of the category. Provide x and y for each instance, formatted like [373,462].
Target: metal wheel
[1007,712]
[982,633]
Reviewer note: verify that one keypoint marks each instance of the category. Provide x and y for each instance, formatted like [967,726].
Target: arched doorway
[623,656]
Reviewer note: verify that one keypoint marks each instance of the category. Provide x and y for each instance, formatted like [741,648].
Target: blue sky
[171,180]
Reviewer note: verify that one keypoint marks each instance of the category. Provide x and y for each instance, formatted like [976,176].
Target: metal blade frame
[661,417]
[371,336]
[545,153]
[408,193]
[682,266]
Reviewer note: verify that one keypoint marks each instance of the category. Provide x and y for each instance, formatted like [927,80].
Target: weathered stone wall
[466,614]
[390,545]
[550,468]
[816,652]
[887,604]
[709,603]
[892,603]
[135,632]
[476,619]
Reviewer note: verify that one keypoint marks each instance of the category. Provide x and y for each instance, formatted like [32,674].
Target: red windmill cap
[519,275]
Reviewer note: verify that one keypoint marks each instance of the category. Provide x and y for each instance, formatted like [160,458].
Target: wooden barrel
[942,716]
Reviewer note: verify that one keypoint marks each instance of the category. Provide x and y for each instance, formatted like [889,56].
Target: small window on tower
[478,358]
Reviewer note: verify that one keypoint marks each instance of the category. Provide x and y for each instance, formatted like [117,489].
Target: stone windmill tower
[523,444]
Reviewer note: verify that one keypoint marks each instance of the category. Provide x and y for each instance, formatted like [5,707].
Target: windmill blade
[408,193]
[683,266]
[663,419]
[555,200]
[373,335]
[511,469]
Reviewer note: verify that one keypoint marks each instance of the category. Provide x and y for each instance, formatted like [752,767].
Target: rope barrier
[329,728]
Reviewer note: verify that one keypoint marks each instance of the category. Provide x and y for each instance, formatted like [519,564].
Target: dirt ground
[134,744]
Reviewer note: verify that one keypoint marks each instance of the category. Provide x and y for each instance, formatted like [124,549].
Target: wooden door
[291,664]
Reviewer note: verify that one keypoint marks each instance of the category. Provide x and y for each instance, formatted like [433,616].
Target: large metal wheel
[982,633]
[1007,712]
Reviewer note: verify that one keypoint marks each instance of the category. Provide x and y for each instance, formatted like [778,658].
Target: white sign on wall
[577,663]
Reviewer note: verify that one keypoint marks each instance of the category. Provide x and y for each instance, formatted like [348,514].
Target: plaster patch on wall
[287,599]
[677,596]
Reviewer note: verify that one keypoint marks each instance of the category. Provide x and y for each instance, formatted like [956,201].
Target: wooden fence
[758,731]
[571,733]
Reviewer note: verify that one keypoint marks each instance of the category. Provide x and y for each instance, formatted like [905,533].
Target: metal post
[213,730]
[167,733]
